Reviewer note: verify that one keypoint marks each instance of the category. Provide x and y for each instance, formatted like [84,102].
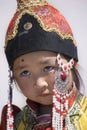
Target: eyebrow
[19,67]
[46,61]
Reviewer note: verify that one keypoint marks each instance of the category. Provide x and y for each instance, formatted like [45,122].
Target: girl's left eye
[49,68]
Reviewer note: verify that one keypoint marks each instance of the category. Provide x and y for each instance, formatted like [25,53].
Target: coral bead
[63,75]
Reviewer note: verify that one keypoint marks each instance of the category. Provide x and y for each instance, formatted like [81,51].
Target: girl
[42,57]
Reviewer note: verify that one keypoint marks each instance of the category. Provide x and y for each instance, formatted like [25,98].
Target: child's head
[36,34]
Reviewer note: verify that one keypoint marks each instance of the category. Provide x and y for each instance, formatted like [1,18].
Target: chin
[46,103]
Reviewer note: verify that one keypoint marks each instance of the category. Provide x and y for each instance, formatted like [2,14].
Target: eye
[25,73]
[49,68]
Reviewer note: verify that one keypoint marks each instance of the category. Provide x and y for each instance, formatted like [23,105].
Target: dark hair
[76,77]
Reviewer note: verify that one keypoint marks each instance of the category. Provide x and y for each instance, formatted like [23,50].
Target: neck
[45,109]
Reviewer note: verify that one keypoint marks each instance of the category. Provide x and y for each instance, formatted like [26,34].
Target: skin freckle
[22,60]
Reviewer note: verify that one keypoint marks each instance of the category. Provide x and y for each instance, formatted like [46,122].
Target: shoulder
[81,119]
[80,105]
[15,109]
[82,100]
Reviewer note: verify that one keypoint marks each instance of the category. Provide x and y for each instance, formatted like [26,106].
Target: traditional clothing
[29,118]
[38,26]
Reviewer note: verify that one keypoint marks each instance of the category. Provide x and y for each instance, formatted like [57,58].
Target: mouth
[45,94]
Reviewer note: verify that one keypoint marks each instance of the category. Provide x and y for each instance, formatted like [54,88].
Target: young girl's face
[35,74]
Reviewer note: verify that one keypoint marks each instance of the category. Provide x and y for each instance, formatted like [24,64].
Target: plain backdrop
[75,12]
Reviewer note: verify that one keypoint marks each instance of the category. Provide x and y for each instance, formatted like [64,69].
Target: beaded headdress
[38,26]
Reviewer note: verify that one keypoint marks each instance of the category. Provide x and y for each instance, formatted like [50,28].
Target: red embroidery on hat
[53,20]
[49,18]
[11,26]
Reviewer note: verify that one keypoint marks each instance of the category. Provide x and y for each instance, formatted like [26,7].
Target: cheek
[24,85]
[51,80]
[27,89]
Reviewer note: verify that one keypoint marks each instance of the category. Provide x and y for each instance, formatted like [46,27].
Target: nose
[40,82]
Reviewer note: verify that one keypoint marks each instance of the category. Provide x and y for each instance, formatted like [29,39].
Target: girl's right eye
[25,73]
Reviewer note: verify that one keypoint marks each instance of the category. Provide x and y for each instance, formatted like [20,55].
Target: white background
[75,12]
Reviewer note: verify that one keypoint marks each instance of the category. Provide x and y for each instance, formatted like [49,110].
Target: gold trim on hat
[28,3]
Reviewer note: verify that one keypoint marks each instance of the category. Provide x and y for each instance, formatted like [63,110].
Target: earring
[60,96]
[9,105]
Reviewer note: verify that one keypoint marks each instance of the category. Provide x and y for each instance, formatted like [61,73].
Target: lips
[44,94]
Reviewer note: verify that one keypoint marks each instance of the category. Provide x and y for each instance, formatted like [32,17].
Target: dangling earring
[9,105]
[60,96]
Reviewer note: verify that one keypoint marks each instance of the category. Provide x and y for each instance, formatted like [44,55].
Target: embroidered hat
[38,26]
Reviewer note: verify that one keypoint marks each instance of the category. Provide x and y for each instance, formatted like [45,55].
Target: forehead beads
[64,66]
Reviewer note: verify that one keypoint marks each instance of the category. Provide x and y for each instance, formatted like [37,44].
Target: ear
[3,124]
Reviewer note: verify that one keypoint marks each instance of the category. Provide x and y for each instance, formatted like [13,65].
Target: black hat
[37,26]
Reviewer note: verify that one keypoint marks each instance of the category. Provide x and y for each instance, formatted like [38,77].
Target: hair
[76,78]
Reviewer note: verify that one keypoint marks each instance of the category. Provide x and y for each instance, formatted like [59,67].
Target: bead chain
[60,100]
[10,119]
